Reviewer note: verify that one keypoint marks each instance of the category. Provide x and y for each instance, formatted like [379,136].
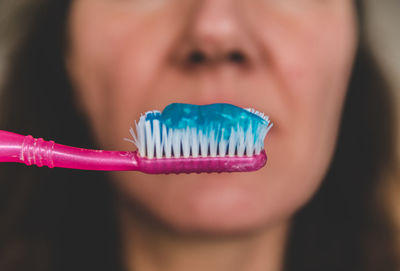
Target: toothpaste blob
[201,130]
[220,117]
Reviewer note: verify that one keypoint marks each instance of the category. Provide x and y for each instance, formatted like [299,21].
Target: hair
[65,220]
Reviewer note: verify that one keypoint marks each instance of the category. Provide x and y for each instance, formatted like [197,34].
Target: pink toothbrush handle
[31,151]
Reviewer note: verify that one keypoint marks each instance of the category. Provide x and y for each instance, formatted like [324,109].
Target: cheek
[114,58]
[309,64]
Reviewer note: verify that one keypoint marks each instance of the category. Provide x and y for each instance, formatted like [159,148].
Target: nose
[216,35]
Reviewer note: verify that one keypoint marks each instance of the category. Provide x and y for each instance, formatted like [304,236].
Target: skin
[127,57]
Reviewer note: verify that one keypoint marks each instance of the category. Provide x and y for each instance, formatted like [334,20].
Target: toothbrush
[181,139]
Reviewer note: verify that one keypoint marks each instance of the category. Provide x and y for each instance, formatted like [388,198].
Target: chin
[206,204]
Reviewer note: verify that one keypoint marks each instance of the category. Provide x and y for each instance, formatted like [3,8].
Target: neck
[152,248]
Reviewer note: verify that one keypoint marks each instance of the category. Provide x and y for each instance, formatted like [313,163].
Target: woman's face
[293,60]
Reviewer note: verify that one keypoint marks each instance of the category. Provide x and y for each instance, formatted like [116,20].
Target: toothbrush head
[210,138]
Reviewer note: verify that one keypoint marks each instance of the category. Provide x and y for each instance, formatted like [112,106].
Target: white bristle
[232,143]
[176,143]
[203,144]
[240,143]
[141,135]
[223,144]
[155,140]
[167,141]
[213,144]
[186,143]
[149,140]
[249,142]
[258,113]
[194,142]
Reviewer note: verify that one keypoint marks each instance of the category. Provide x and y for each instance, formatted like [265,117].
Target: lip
[224,101]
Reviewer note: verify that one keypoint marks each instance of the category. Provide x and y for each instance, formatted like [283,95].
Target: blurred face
[288,58]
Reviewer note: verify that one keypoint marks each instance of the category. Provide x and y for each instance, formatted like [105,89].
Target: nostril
[196,57]
[236,57]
